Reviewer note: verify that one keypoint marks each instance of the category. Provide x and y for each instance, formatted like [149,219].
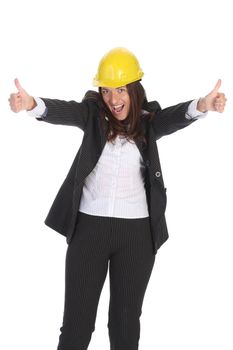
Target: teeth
[117,107]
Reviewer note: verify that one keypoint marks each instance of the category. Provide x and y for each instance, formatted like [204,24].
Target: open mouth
[118,109]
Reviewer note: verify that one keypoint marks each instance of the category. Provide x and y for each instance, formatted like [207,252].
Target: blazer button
[158,174]
[148,163]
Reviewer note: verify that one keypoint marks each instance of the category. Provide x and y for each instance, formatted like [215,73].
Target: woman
[111,205]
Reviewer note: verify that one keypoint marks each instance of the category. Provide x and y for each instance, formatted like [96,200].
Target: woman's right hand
[21,100]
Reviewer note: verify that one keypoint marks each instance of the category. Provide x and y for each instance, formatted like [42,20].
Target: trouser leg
[86,269]
[129,272]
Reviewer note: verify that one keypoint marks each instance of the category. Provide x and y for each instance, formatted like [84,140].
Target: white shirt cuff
[193,113]
[39,110]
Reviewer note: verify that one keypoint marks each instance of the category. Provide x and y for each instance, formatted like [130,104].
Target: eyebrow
[108,88]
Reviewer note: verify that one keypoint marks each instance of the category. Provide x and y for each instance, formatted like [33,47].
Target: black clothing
[62,216]
[126,245]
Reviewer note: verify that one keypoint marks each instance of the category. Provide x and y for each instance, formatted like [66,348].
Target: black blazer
[62,216]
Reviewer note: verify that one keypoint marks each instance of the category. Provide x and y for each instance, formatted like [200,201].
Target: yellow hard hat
[118,67]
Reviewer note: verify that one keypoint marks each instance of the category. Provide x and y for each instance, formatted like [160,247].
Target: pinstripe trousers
[124,244]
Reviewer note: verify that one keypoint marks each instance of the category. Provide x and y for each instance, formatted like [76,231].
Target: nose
[113,98]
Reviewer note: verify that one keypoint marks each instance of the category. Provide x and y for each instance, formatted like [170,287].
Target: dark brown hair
[131,126]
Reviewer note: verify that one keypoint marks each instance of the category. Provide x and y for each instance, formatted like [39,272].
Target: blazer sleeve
[170,119]
[65,112]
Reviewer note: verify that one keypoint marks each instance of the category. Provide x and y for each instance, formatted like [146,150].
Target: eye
[104,91]
[121,89]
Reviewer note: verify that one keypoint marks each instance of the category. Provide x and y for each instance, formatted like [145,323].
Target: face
[117,100]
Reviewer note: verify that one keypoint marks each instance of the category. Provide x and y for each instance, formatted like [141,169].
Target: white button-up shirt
[115,187]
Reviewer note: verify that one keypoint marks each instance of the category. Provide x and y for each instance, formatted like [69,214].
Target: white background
[54,47]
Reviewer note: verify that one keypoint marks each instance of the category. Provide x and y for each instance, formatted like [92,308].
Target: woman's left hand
[214,101]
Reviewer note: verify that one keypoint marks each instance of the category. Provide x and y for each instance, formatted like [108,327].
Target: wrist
[201,105]
[31,104]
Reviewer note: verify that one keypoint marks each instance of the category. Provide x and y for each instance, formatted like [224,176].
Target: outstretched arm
[56,111]
[171,119]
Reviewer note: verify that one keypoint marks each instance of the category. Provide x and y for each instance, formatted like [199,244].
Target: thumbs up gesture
[21,100]
[214,101]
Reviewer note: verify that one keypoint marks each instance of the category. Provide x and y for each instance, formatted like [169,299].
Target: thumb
[18,86]
[217,86]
